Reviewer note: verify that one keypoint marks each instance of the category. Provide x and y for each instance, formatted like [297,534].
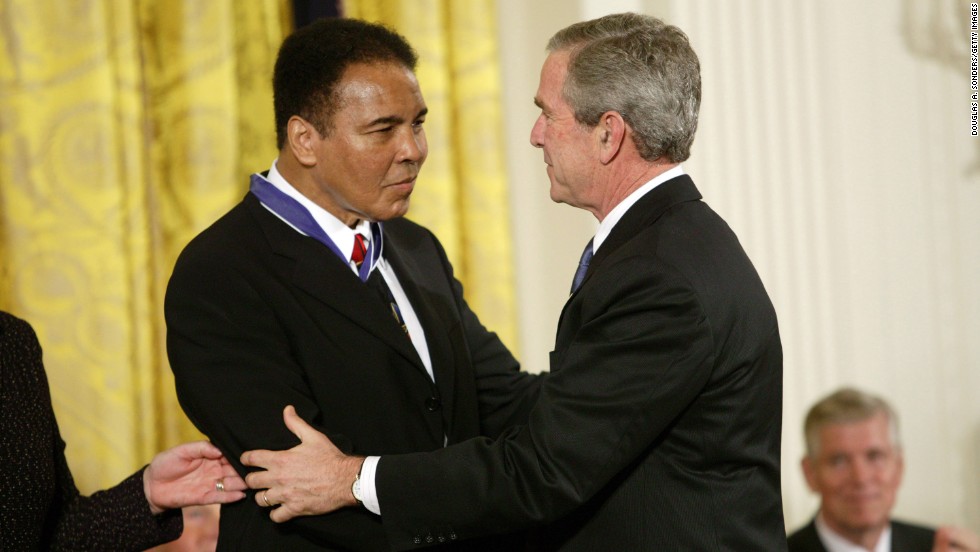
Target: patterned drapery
[125,128]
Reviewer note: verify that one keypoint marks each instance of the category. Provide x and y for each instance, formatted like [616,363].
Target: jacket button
[429,538]
[417,539]
[433,404]
[441,538]
[452,535]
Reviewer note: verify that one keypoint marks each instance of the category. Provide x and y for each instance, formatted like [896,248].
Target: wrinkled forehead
[378,89]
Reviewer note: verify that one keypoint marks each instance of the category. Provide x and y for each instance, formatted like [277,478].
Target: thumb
[941,542]
[297,425]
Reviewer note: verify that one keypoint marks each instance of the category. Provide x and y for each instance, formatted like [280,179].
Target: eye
[837,461]
[877,456]
[385,129]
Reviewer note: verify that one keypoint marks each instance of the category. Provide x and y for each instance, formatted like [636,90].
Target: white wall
[834,139]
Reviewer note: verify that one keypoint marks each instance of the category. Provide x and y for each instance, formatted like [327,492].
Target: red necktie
[359,250]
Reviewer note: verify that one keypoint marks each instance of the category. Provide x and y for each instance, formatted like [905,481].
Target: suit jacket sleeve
[641,352]
[115,519]
[235,372]
[505,394]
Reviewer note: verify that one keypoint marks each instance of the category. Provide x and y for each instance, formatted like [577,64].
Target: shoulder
[14,329]
[18,342]
[805,539]
[21,368]
[412,239]
[404,230]
[226,242]
[228,228]
[911,533]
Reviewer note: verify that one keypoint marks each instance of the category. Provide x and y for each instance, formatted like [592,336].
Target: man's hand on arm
[312,478]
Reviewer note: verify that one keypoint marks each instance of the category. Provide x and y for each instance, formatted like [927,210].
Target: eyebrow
[394,120]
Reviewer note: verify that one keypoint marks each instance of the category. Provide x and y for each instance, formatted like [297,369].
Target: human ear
[809,472]
[302,137]
[611,133]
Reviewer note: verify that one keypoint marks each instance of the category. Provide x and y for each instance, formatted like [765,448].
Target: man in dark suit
[659,426]
[854,462]
[313,292]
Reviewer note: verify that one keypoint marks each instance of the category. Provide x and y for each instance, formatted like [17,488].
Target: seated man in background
[854,461]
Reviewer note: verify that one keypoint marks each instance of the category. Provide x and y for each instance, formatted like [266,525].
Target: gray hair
[643,69]
[846,405]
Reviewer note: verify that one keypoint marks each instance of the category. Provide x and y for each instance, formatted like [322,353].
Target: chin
[556,195]
[396,211]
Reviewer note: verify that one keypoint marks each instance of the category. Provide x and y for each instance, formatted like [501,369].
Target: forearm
[118,518]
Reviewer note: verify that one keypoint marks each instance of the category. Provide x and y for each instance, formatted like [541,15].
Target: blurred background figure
[42,509]
[854,462]
[200,531]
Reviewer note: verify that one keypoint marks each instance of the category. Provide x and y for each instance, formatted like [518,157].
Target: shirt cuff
[369,493]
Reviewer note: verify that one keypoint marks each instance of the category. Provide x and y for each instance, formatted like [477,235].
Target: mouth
[407,183]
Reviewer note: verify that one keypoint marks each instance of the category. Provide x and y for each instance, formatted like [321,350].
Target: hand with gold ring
[191,474]
[311,478]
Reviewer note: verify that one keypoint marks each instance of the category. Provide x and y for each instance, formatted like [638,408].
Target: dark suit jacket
[905,538]
[659,426]
[260,316]
[40,507]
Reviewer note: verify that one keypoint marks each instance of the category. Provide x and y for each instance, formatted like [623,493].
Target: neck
[628,181]
[865,538]
[299,177]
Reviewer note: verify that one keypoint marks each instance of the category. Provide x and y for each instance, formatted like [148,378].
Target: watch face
[356,490]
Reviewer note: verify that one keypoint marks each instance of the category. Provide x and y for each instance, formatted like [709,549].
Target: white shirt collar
[607,224]
[341,235]
[836,543]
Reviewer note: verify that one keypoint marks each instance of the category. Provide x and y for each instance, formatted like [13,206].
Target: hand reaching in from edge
[190,474]
[956,539]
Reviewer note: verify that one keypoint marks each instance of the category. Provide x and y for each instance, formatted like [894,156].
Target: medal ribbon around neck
[294,213]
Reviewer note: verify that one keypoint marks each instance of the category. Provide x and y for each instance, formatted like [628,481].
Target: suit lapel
[644,213]
[434,320]
[322,275]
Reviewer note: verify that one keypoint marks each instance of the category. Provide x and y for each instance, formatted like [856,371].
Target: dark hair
[313,59]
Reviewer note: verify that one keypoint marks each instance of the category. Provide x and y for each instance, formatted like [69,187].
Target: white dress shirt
[607,224]
[836,543]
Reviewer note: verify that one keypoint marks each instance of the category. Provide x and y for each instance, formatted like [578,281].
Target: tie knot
[357,255]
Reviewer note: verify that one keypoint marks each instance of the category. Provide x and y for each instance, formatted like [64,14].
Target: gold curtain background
[128,126]
[125,128]
[462,193]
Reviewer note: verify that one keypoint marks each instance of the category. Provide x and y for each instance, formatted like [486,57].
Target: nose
[861,471]
[537,132]
[413,147]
